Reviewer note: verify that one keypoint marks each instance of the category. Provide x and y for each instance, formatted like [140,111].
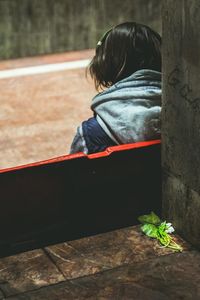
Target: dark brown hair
[123,50]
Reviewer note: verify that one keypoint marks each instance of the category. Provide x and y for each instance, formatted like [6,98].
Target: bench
[78,195]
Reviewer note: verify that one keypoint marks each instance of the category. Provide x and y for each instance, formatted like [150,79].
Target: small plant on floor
[153,227]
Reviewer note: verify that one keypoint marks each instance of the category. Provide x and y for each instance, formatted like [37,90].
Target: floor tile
[27,271]
[105,251]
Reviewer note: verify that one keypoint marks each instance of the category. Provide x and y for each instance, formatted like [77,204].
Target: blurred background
[41,106]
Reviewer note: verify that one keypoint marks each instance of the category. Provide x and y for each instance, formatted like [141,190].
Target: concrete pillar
[181,117]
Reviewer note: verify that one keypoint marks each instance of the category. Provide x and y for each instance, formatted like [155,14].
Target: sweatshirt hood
[129,111]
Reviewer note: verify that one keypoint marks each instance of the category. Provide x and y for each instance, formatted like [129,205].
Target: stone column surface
[181,117]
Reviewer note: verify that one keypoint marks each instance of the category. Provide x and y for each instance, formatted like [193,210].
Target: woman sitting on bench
[127,67]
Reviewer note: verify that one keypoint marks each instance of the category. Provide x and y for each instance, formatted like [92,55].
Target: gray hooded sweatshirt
[129,111]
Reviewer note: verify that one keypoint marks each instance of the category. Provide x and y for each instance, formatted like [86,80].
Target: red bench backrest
[78,195]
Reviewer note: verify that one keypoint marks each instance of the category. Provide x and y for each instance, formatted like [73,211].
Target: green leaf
[164,239]
[152,218]
[150,230]
[153,227]
[162,227]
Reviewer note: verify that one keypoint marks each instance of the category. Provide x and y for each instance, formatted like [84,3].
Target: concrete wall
[181,116]
[30,27]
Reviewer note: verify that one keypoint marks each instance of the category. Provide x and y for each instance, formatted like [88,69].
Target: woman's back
[128,64]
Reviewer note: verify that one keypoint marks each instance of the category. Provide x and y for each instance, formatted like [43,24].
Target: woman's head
[123,50]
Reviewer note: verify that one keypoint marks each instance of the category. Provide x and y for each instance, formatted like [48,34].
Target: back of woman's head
[123,50]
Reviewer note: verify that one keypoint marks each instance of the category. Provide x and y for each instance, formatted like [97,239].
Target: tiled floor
[39,113]
[122,264]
